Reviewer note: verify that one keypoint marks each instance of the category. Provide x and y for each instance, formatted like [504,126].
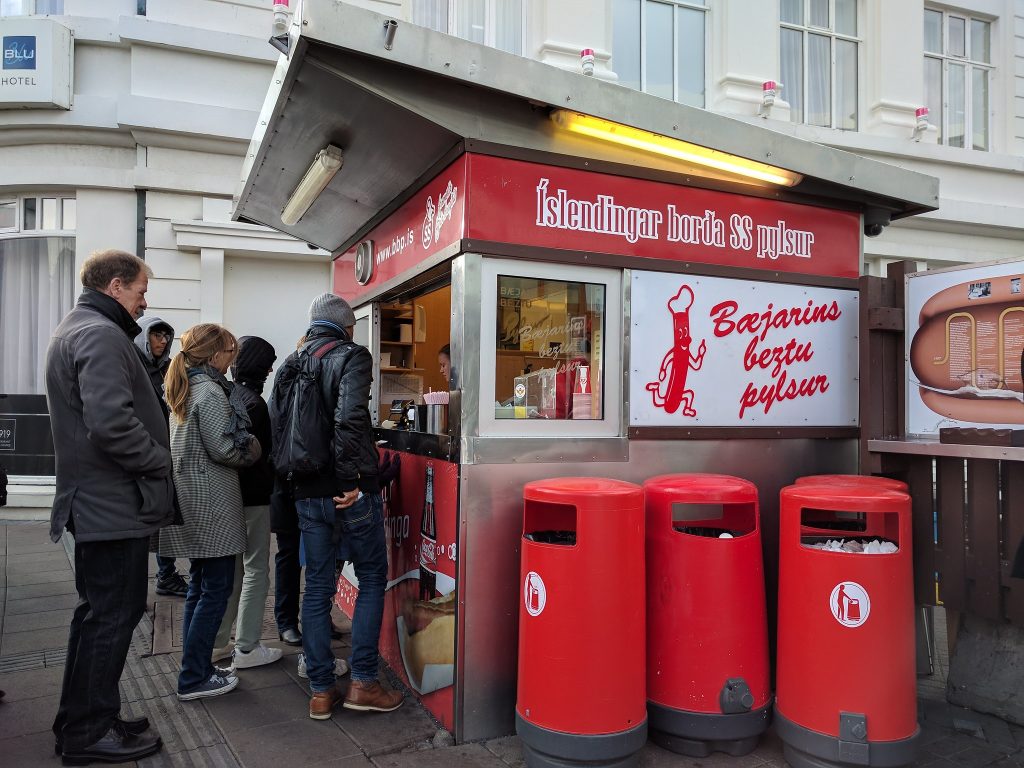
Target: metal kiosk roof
[401,115]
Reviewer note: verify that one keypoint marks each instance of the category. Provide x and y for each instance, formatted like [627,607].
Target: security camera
[875,221]
[313,247]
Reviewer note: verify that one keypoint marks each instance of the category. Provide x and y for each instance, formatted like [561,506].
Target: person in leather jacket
[341,501]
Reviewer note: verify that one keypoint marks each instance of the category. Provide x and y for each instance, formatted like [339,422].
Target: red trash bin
[708,676]
[846,678]
[581,697]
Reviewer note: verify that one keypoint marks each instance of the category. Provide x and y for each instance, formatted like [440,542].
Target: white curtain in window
[36,290]
[659,50]
[508,26]
[792,72]
[819,77]
[933,91]
[957,105]
[626,42]
[432,14]
[690,54]
[979,108]
[846,85]
[471,20]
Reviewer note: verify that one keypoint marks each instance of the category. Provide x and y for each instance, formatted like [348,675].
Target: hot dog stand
[628,287]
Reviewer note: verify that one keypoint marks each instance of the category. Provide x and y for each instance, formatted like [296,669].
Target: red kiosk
[624,287]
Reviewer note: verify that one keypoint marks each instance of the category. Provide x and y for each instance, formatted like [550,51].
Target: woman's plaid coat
[206,463]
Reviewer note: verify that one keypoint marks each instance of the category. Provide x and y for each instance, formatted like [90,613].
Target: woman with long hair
[210,441]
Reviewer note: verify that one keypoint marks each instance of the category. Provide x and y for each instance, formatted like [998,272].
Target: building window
[957,74]
[31,7]
[497,23]
[818,49]
[37,284]
[659,47]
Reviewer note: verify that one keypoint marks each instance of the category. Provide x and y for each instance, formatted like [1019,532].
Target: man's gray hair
[103,266]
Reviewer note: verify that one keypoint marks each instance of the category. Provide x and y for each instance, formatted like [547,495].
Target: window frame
[611,425]
[945,58]
[676,5]
[805,29]
[19,229]
[22,12]
[490,23]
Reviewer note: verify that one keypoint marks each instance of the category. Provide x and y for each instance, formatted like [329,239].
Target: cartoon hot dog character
[966,355]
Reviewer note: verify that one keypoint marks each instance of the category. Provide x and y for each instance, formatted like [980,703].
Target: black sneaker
[215,686]
[174,585]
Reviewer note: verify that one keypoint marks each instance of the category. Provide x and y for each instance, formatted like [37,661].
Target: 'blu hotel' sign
[19,52]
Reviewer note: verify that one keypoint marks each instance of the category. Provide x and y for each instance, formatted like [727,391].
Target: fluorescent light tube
[645,141]
[326,163]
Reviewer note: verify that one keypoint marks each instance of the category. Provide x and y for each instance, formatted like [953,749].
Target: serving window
[550,350]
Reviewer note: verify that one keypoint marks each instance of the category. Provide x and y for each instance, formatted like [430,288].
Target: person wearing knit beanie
[332,311]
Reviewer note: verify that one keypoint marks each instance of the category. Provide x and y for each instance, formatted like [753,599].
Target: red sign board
[417,637]
[541,205]
[529,204]
[427,223]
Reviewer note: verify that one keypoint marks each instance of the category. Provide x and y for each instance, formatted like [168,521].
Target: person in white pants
[252,571]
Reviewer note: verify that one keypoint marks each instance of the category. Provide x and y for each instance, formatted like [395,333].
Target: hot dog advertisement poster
[728,353]
[965,336]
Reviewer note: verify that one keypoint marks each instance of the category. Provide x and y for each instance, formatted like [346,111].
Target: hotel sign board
[36,64]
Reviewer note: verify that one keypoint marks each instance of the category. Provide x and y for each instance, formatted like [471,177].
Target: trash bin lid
[701,488]
[567,490]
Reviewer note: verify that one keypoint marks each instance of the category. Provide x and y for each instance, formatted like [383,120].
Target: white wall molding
[243,240]
[145,31]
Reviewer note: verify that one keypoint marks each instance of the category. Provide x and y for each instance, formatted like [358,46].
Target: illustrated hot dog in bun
[966,354]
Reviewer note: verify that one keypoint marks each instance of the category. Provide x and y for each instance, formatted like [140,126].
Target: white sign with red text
[716,352]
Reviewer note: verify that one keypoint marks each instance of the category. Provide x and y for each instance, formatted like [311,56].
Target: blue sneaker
[215,686]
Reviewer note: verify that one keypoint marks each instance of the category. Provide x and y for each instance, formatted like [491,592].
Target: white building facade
[133,129]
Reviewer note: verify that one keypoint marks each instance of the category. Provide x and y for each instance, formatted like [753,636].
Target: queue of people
[167,455]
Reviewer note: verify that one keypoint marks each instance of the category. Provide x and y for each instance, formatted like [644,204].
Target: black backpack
[302,427]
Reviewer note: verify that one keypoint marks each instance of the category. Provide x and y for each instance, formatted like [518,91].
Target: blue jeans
[210,583]
[362,528]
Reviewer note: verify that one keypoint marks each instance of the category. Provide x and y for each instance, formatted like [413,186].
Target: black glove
[388,468]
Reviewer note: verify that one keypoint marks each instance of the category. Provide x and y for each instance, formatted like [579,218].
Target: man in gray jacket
[114,490]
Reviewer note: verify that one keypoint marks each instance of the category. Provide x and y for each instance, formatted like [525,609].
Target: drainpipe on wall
[140,220]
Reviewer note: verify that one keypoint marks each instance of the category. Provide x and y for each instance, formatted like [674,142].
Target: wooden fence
[968,512]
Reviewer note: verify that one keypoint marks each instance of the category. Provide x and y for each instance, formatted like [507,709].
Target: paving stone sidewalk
[264,721]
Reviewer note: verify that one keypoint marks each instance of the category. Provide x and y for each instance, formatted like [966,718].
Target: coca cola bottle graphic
[428,542]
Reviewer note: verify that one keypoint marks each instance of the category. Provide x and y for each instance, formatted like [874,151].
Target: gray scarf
[239,423]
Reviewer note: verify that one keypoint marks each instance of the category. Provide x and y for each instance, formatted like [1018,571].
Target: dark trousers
[111,578]
[287,580]
[209,587]
[165,567]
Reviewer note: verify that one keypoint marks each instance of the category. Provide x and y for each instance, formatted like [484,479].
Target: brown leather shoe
[371,697]
[322,703]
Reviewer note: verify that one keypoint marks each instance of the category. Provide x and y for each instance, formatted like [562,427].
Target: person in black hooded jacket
[250,370]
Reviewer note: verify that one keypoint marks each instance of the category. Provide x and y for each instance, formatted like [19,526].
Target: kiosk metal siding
[492,503]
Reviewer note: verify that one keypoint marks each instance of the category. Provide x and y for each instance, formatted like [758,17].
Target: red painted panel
[428,222]
[532,204]
[417,637]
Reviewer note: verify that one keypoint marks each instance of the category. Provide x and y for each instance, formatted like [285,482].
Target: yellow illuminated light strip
[626,135]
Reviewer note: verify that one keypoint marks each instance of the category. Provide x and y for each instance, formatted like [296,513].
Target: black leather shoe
[130,725]
[115,746]
[290,637]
